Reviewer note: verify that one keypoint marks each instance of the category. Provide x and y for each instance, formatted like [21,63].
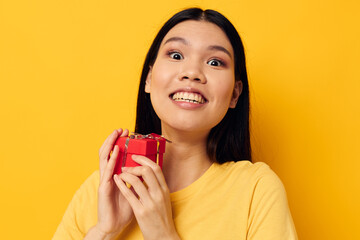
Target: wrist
[175,237]
[103,235]
[172,236]
[164,236]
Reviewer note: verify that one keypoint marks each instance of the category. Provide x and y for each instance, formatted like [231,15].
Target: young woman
[193,91]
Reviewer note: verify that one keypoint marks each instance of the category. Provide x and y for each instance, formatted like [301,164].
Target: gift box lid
[142,146]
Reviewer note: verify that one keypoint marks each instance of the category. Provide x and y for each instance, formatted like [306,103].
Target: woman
[194,91]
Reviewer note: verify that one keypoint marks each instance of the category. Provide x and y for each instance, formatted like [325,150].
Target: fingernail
[123,169]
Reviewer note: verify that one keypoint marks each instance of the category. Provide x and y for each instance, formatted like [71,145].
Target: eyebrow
[220,48]
[177,39]
[212,47]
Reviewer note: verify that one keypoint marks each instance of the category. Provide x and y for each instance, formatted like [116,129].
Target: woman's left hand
[152,206]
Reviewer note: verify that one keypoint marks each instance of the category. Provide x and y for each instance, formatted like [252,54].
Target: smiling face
[192,82]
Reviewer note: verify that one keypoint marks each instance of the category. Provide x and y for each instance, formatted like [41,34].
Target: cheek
[160,85]
[161,76]
[224,88]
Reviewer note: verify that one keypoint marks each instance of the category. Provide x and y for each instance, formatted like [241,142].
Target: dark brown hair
[230,139]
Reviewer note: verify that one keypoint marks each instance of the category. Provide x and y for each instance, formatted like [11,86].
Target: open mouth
[192,97]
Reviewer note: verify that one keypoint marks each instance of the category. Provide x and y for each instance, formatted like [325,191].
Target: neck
[185,158]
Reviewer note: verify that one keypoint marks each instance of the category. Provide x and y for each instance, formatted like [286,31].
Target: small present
[151,146]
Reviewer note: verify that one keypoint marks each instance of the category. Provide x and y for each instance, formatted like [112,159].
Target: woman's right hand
[114,211]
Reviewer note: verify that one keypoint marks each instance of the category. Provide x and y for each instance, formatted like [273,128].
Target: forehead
[199,32]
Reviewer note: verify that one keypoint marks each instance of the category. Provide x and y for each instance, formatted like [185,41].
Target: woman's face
[192,82]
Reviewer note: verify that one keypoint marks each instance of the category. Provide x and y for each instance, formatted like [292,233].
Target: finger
[138,187]
[103,161]
[110,143]
[107,140]
[109,170]
[104,155]
[125,133]
[147,174]
[144,161]
[128,194]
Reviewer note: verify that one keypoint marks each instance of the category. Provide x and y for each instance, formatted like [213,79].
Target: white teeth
[196,98]
[188,97]
[192,96]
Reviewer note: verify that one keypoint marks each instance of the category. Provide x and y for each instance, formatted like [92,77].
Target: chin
[188,125]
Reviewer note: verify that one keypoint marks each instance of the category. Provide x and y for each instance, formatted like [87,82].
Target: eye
[175,55]
[215,63]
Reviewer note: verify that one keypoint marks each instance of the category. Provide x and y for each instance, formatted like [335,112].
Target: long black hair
[230,139]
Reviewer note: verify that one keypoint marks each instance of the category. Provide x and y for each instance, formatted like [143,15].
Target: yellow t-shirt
[230,201]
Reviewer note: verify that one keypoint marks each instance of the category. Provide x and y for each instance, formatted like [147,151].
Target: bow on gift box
[151,146]
[140,136]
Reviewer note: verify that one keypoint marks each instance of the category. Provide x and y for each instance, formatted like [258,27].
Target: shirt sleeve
[81,213]
[270,217]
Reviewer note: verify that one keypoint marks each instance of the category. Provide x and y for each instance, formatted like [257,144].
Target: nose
[193,72]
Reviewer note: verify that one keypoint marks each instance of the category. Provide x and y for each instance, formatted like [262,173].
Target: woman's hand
[151,201]
[114,211]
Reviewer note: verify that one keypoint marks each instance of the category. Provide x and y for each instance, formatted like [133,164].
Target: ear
[148,81]
[236,93]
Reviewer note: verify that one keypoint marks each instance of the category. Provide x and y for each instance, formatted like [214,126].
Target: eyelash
[221,63]
[171,54]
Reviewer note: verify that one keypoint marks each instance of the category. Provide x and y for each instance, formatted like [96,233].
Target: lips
[188,95]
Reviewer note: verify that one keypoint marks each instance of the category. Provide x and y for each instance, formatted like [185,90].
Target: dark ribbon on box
[140,136]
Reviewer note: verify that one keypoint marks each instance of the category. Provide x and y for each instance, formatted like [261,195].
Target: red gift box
[151,146]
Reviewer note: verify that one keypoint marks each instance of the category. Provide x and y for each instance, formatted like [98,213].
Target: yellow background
[69,74]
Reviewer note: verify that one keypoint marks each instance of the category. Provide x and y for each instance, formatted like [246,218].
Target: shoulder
[88,189]
[91,183]
[251,172]
[258,167]
[269,215]
[256,180]
[81,213]
[87,193]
